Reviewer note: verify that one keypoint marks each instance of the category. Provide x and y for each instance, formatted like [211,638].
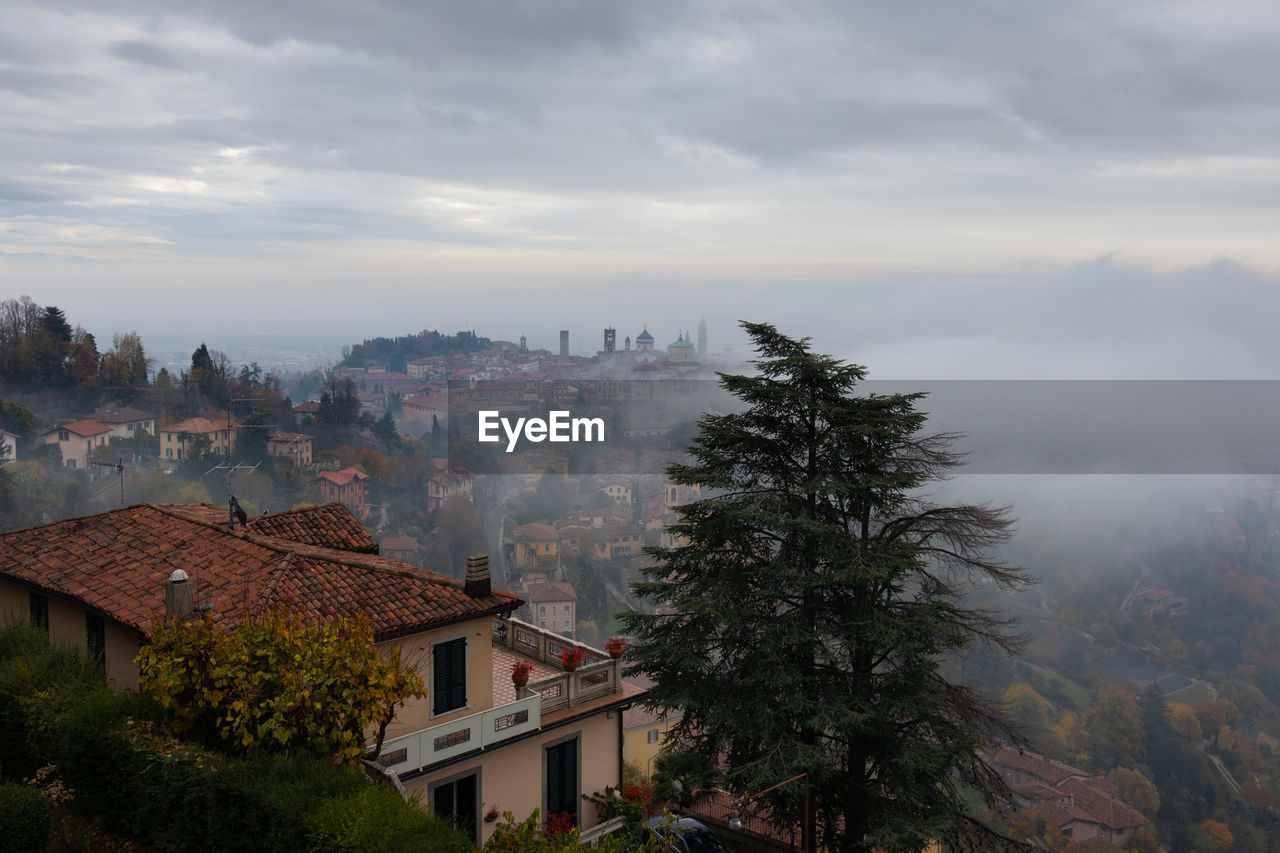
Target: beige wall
[13,602]
[636,748]
[67,623]
[513,778]
[416,650]
[122,650]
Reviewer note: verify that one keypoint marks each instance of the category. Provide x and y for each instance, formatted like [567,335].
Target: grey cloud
[145,53]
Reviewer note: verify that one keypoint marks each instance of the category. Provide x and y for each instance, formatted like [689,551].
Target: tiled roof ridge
[319,552]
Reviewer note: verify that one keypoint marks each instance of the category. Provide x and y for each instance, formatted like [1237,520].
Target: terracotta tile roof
[117,562]
[120,415]
[553,591]
[280,435]
[328,525]
[536,531]
[199,426]
[1045,769]
[343,477]
[84,429]
[1105,809]
[308,408]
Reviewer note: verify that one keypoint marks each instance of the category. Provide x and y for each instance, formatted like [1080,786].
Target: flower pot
[616,654]
[519,679]
[570,666]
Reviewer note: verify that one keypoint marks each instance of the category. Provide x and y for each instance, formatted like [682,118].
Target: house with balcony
[475,742]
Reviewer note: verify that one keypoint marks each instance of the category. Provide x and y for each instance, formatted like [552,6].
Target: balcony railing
[423,748]
[599,675]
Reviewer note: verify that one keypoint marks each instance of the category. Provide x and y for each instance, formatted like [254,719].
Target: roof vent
[477,585]
[179,595]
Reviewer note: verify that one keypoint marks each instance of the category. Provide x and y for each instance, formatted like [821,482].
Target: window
[449,676]
[71,463]
[168,452]
[566,624]
[561,762]
[39,610]
[542,623]
[64,435]
[95,631]
[653,735]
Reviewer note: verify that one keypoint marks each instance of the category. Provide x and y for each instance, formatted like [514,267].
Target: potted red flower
[520,672]
[615,646]
[572,658]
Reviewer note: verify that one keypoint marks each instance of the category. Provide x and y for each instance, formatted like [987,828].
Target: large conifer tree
[803,620]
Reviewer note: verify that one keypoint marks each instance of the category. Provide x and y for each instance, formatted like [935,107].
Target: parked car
[687,835]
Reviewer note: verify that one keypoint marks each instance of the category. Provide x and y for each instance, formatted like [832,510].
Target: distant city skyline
[1084,189]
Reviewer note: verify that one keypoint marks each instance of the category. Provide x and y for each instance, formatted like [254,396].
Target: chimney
[179,595]
[477,585]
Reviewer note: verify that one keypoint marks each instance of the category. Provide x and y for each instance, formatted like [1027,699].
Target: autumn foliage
[276,684]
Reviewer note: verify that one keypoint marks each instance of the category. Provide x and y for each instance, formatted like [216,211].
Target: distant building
[187,438]
[644,341]
[294,446]
[444,485]
[78,440]
[554,606]
[535,541]
[345,487]
[680,350]
[564,346]
[125,421]
[702,337]
[403,548]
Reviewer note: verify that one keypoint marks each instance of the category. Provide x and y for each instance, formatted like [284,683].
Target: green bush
[31,668]
[25,818]
[132,778]
[377,820]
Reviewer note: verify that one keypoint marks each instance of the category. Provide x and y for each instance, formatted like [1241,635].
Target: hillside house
[346,487]
[444,485]
[292,446]
[1081,806]
[535,542]
[77,441]
[125,421]
[8,447]
[100,582]
[198,437]
[553,606]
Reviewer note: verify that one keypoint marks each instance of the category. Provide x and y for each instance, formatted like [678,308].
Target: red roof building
[345,487]
[102,582]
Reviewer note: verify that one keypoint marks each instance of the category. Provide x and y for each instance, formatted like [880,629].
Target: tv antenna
[234,511]
[120,469]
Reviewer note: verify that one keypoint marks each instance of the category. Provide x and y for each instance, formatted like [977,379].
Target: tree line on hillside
[398,352]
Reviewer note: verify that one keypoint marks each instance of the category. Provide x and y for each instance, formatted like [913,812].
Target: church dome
[644,336]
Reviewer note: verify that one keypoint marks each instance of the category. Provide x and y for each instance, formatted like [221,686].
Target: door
[456,801]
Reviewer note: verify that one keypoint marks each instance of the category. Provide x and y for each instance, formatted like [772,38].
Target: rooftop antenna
[119,466]
[234,511]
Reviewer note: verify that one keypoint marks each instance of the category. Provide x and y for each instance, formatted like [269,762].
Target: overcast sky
[988,190]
